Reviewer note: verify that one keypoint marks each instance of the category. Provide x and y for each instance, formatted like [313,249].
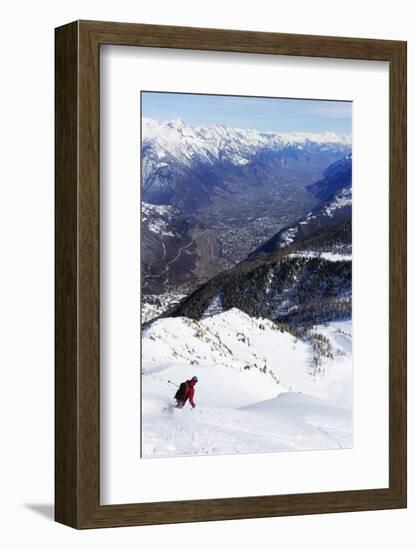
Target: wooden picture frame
[77,382]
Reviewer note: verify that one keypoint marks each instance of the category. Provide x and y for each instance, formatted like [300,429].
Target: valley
[211,196]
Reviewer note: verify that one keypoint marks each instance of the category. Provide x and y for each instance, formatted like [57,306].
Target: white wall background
[26,273]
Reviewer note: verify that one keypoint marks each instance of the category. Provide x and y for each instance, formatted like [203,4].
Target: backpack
[181,392]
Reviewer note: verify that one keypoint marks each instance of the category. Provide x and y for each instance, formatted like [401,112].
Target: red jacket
[189,393]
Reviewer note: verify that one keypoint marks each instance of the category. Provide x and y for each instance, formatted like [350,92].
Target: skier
[186,392]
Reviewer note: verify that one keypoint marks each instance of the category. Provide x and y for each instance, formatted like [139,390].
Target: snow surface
[154,305]
[330,256]
[342,199]
[214,307]
[162,210]
[288,236]
[158,218]
[257,389]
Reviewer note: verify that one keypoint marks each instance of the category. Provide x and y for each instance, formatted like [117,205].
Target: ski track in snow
[274,405]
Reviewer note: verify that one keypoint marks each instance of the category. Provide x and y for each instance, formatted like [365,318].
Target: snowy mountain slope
[336,177]
[240,362]
[159,219]
[231,340]
[291,286]
[334,373]
[154,305]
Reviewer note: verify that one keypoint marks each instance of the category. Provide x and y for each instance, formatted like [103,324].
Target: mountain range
[212,197]
[184,166]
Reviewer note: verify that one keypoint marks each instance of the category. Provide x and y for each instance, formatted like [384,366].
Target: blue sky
[264,114]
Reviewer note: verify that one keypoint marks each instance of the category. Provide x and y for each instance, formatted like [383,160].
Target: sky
[263,114]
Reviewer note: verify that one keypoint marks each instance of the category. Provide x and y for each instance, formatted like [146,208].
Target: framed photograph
[230,274]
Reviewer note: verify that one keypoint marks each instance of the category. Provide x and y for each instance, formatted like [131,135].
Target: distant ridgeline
[302,275]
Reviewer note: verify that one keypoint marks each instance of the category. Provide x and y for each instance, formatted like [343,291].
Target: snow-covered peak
[177,123]
[238,145]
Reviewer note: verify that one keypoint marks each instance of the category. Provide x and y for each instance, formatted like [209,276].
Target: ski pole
[169,382]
